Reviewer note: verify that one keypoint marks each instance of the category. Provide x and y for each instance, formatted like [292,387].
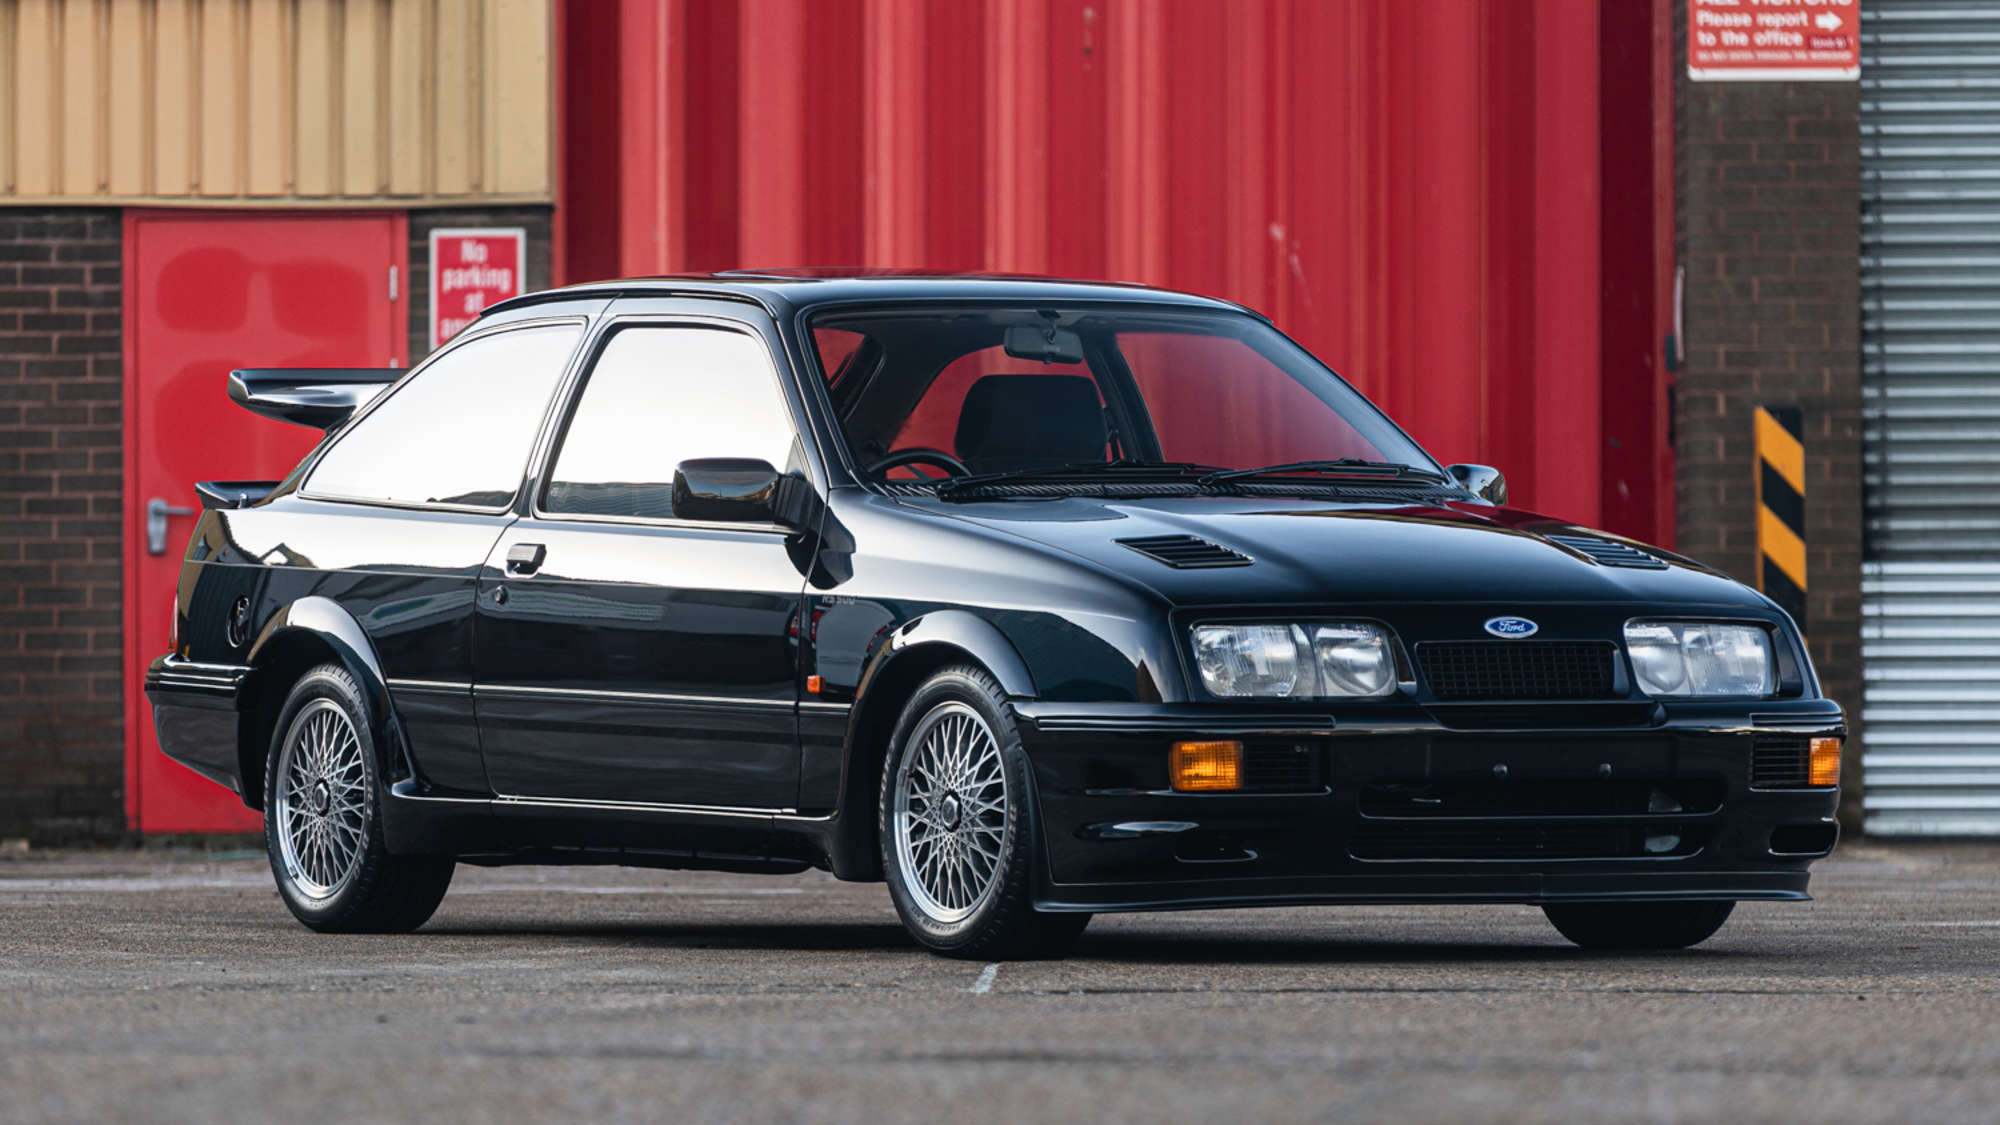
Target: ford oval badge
[1513,628]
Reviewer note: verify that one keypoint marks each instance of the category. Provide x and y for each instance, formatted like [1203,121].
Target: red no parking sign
[471,269]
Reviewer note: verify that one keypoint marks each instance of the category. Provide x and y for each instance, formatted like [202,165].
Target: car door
[624,655]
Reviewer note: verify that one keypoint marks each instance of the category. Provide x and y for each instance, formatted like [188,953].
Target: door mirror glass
[1483,481]
[728,490]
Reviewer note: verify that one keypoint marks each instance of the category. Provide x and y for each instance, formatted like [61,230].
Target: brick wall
[535,220]
[62,768]
[1769,176]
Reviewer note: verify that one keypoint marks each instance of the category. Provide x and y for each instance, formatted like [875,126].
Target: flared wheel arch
[298,638]
[909,655]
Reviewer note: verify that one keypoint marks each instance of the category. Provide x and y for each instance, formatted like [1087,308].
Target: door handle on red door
[157,511]
[524,559]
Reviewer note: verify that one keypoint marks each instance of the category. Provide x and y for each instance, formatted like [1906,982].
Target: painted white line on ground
[1991,923]
[984,984]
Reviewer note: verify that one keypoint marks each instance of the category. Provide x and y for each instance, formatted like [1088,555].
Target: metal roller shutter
[1930,290]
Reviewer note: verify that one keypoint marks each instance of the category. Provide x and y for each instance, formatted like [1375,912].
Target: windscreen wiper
[1357,466]
[1121,467]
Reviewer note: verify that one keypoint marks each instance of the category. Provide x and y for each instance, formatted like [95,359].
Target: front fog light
[1207,767]
[1823,766]
[1691,658]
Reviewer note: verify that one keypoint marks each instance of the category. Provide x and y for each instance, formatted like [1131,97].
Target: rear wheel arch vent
[1609,552]
[1186,552]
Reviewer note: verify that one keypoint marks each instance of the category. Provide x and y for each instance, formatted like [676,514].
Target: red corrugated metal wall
[1410,187]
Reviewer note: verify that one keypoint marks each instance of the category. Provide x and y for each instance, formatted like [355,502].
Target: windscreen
[957,391]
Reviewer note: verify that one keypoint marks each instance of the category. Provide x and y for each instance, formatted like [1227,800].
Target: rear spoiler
[320,397]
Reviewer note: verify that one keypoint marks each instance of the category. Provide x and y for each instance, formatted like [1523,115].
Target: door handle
[524,559]
[157,511]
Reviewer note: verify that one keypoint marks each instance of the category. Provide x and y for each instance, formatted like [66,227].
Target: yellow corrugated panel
[35,99]
[129,146]
[247,102]
[219,92]
[268,72]
[364,124]
[520,86]
[317,130]
[176,81]
[452,121]
[80,116]
[7,81]
[412,84]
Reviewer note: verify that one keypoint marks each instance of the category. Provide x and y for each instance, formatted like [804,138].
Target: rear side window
[459,432]
[660,396]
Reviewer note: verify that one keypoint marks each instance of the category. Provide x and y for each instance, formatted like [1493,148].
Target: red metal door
[204,294]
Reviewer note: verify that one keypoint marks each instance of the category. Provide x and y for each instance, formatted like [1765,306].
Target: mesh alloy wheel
[321,806]
[950,815]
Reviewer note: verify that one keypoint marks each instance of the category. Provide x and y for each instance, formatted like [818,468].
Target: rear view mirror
[1483,481]
[728,490]
[1046,345]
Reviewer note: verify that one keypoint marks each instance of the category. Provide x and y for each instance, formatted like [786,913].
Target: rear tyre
[323,818]
[1638,925]
[959,831]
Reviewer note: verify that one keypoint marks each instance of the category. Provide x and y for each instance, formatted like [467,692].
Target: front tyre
[958,825]
[1638,925]
[323,818]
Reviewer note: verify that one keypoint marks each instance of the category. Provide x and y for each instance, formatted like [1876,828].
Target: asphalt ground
[160,986]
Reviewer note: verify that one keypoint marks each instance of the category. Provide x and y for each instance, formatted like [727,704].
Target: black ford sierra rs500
[1034,599]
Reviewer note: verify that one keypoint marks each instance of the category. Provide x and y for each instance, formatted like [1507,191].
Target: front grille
[1524,841]
[1778,762]
[1516,669]
[1280,768]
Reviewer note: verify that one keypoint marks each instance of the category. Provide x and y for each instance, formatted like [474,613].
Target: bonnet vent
[1186,552]
[1607,553]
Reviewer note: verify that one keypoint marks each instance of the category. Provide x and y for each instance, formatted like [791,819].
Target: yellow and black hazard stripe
[1781,508]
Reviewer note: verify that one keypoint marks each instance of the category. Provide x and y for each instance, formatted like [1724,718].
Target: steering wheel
[921,455]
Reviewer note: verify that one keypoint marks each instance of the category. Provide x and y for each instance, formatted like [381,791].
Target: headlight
[1690,658]
[1349,661]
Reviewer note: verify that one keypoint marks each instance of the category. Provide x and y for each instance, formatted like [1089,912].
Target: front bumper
[1519,804]
[195,715]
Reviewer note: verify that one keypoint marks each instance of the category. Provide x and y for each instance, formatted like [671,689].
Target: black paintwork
[609,690]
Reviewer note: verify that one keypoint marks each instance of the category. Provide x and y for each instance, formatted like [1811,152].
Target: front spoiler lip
[1810,715]
[1143,898]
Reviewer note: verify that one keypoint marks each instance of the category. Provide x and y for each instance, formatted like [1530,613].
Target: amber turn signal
[1207,767]
[1823,767]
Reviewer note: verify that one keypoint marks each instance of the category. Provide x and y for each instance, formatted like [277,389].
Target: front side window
[459,431]
[1010,390]
[658,396]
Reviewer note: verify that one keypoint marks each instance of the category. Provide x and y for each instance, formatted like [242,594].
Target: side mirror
[730,490]
[1483,481]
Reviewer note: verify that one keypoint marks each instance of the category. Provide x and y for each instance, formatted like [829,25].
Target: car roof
[782,291]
